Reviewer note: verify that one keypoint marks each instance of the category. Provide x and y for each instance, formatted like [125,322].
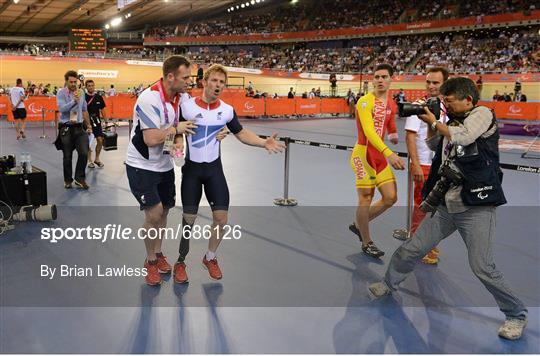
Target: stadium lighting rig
[244,5]
[117,21]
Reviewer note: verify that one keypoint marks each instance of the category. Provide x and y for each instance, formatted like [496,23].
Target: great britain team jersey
[210,119]
[151,112]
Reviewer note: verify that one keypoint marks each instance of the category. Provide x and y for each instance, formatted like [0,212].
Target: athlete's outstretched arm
[248,137]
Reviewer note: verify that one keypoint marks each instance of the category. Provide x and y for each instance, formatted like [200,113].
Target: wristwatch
[434,126]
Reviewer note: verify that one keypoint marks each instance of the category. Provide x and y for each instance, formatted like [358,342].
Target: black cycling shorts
[195,176]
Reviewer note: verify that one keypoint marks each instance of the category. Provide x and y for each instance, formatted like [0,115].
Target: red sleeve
[391,123]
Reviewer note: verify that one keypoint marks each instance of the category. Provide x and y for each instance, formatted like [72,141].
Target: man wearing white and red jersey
[203,167]
[150,171]
[420,154]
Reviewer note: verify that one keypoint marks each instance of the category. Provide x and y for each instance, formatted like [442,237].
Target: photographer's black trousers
[74,138]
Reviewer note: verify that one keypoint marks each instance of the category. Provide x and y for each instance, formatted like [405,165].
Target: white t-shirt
[16,93]
[149,113]
[414,124]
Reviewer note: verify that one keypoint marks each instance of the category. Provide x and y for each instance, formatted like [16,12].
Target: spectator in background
[312,94]
[496,96]
[351,100]
[333,85]
[479,85]
[507,98]
[400,96]
[112,91]
[291,94]
[318,92]
[17,96]
[521,97]
[517,87]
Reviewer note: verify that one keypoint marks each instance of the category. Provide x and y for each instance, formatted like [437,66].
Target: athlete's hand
[186,127]
[171,131]
[272,145]
[417,173]
[222,134]
[394,140]
[396,162]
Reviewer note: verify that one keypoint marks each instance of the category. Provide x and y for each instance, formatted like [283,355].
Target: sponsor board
[144,63]
[321,76]
[244,70]
[96,73]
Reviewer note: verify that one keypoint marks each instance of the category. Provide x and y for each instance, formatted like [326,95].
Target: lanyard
[174,103]
[91,99]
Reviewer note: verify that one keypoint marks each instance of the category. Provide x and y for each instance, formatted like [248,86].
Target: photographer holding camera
[74,128]
[464,187]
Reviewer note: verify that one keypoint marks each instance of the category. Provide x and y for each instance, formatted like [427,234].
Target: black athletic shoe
[371,250]
[355,231]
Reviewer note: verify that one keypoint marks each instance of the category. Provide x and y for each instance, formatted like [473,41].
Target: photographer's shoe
[432,257]
[371,250]
[512,329]
[81,184]
[67,184]
[379,289]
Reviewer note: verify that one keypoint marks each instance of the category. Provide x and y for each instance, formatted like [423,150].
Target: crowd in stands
[330,14]
[494,51]
[518,51]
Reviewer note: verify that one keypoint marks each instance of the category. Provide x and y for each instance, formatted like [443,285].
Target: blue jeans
[477,228]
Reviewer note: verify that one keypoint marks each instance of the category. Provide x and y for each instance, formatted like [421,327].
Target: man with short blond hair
[203,169]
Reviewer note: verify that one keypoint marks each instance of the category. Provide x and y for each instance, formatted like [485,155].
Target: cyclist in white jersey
[203,167]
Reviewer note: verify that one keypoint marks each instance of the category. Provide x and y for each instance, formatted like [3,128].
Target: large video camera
[410,109]
[450,176]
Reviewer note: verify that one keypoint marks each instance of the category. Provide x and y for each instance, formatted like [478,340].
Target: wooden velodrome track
[125,74]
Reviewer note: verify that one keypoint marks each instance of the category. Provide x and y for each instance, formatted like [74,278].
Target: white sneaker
[379,289]
[512,329]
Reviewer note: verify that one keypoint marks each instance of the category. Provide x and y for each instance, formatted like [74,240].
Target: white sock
[210,255]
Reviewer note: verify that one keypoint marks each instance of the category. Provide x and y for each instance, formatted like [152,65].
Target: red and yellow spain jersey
[374,118]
